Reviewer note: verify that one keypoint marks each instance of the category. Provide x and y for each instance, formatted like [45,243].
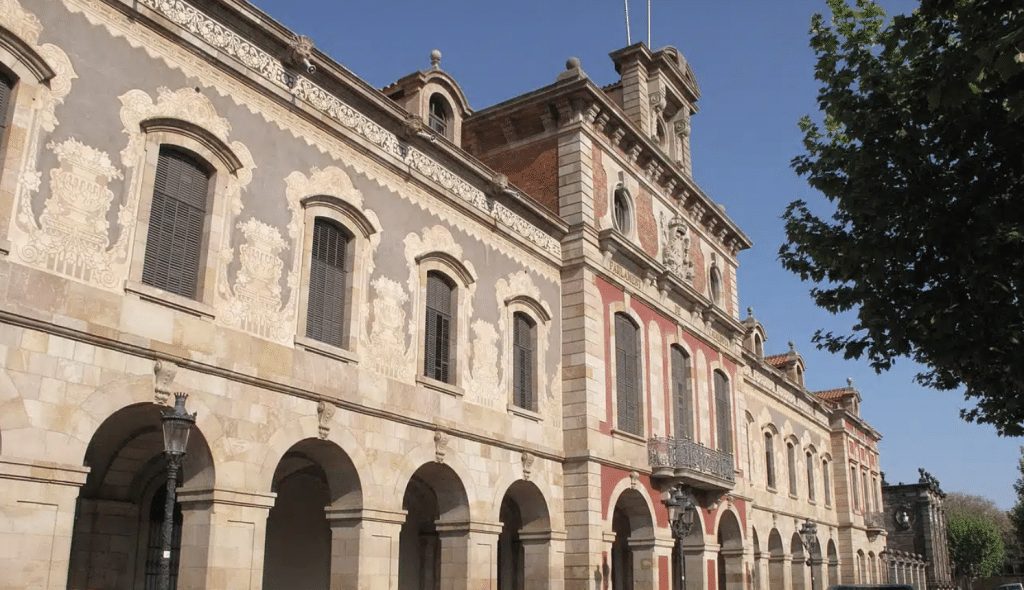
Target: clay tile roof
[833,394]
[776,360]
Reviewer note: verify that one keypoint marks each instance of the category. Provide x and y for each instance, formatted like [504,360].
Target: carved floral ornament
[675,252]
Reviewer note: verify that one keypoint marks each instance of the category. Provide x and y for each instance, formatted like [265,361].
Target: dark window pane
[328,282]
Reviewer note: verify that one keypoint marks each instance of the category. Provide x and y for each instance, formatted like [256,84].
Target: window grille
[627,375]
[681,393]
[176,223]
[620,212]
[769,459]
[523,361]
[437,364]
[328,283]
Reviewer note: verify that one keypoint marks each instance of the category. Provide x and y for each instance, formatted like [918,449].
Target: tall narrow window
[627,374]
[867,496]
[769,459]
[438,353]
[176,223]
[826,477]
[523,330]
[6,91]
[723,412]
[791,461]
[682,402]
[328,282]
[620,210]
[716,285]
[855,488]
[439,114]
[810,476]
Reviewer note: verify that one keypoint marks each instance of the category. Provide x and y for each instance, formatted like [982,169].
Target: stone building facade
[916,524]
[429,347]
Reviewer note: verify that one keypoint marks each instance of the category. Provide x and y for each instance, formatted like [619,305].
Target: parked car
[1012,586]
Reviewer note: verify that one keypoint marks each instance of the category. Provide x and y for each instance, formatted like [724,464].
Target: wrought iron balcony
[694,464]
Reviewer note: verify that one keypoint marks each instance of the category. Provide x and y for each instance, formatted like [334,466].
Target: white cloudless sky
[755,70]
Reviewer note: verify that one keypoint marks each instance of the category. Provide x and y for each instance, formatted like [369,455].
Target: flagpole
[649,23]
[628,40]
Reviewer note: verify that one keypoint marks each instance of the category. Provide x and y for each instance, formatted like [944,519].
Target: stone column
[543,556]
[469,555]
[365,548]
[696,559]
[645,563]
[37,518]
[223,538]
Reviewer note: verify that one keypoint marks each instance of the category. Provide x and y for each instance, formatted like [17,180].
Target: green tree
[919,151]
[1016,513]
[969,504]
[975,546]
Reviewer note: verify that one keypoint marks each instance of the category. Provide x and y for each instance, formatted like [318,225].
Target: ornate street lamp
[808,536]
[177,425]
[682,515]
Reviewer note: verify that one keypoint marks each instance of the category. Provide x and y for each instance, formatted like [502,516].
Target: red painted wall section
[533,168]
[646,225]
[741,510]
[611,476]
[700,269]
[663,573]
[609,294]
[600,182]
[712,579]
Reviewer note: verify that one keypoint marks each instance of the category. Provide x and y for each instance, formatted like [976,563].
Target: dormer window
[716,285]
[621,215]
[440,115]
[758,347]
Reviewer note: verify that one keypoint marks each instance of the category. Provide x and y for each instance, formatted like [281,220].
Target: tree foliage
[975,546]
[983,508]
[919,151]
[1016,514]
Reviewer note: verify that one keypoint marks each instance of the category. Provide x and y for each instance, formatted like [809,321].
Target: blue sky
[755,70]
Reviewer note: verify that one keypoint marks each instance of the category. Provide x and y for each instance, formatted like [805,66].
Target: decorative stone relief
[208,75]
[72,236]
[20,21]
[163,381]
[675,251]
[387,353]
[438,239]
[527,460]
[483,387]
[520,285]
[634,479]
[324,414]
[440,445]
[193,107]
[253,304]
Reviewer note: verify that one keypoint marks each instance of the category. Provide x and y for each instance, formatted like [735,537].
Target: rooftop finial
[435,59]
[572,63]
[750,311]
[791,345]
[849,381]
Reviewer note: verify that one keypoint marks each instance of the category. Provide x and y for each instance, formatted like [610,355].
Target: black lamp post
[682,515]
[808,536]
[177,425]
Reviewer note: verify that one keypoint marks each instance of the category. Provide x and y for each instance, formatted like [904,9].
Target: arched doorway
[116,540]
[756,581]
[776,561]
[304,547]
[833,563]
[634,541]
[730,553]
[799,572]
[524,542]
[433,550]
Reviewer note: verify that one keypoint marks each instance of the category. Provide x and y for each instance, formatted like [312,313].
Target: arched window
[723,412]
[791,461]
[328,283]
[523,361]
[681,397]
[810,476]
[826,478]
[769,459]
[176,223]
[627,374]
[716,285]
[440,114]
[438,363]
[621,210]
[758,346]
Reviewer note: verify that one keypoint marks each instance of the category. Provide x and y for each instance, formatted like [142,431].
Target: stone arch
[538,480]
[833,562]
[796,548]
[120,507]
[755,544]
[434,541]
[632,534]
[317,507]
[730,551]
[776,561]
[402,468]
[524,544]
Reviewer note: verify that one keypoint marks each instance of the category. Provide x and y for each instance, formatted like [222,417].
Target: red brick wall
[600,183]
[646,225]
[700,278]
[533,168]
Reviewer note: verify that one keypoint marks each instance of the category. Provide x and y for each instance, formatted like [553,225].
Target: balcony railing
[680,454]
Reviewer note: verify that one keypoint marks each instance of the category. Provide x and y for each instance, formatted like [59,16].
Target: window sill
[184,304]
[812,501]
[524,413]
[5,246]
[634,438]
[328,350]
[794,496]
[772,489]
[453,390]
